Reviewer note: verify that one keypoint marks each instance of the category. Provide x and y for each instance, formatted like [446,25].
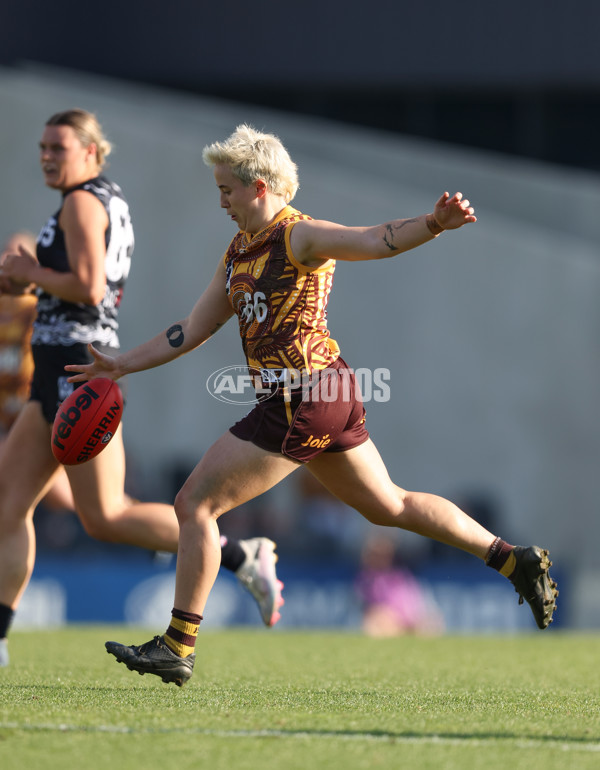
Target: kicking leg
[360,478]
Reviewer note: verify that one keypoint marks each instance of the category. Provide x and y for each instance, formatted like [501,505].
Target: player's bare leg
[26,469]
[230,473]
[108,514]
[360,478]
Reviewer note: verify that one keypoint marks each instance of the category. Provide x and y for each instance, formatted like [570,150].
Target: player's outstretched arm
[209,313]
[101,366]
[314,241]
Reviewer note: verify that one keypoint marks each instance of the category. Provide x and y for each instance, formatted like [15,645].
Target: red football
[86,421]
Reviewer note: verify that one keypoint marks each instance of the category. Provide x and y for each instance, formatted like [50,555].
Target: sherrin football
[86,421]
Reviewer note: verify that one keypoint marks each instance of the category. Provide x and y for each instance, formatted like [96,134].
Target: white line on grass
[440,740]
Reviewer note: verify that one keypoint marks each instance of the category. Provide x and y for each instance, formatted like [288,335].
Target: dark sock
[232,554]
[180,636]
[501,558]
[6,617]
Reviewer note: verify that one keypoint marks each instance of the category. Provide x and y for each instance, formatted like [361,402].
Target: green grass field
[304,700]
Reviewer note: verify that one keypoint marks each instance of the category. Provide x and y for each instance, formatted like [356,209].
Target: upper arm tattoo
[215,329]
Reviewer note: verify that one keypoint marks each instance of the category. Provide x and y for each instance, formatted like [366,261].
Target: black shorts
[49,385]
[328,416]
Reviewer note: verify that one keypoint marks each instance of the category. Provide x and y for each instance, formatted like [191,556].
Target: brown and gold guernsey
[281,304]
[17,314]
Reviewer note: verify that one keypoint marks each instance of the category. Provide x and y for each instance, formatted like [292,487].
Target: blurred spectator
[394,602]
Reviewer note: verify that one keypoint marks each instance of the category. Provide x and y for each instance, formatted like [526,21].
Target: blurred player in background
[17,314]
[78,272]
[276,276]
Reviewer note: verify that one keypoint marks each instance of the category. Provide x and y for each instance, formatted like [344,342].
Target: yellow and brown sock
[181,635]
[501,557]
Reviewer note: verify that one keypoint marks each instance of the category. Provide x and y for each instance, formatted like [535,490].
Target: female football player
[79,272]
[276,276]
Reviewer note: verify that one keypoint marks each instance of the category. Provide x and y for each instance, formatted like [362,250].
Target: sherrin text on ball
[86,421]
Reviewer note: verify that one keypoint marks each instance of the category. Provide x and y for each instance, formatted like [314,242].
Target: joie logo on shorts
[317,443]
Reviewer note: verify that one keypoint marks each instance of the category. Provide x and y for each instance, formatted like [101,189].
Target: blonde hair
[88,130]
[252,155]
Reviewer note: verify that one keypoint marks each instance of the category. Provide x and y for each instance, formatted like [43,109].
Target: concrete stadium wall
[490,333]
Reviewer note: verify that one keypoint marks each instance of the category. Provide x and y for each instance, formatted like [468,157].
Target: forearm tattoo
[175,335]
[391,228]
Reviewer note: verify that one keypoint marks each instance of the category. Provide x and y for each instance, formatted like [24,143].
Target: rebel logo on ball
[69,418]
[86,421]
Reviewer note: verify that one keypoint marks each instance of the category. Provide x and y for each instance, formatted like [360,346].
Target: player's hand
[16,272]
[20,267]
[101,366]
[453,212]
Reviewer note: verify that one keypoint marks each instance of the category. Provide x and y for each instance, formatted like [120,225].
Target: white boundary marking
[393,738]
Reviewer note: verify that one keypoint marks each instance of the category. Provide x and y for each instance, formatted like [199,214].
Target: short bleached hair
[252,156]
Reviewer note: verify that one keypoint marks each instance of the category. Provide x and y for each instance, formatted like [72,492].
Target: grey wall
[490,333]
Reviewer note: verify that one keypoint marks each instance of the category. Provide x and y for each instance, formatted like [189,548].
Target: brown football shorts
[324,415]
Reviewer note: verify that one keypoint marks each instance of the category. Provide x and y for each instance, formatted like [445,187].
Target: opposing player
[17,314]
[276,276]
[83,257]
